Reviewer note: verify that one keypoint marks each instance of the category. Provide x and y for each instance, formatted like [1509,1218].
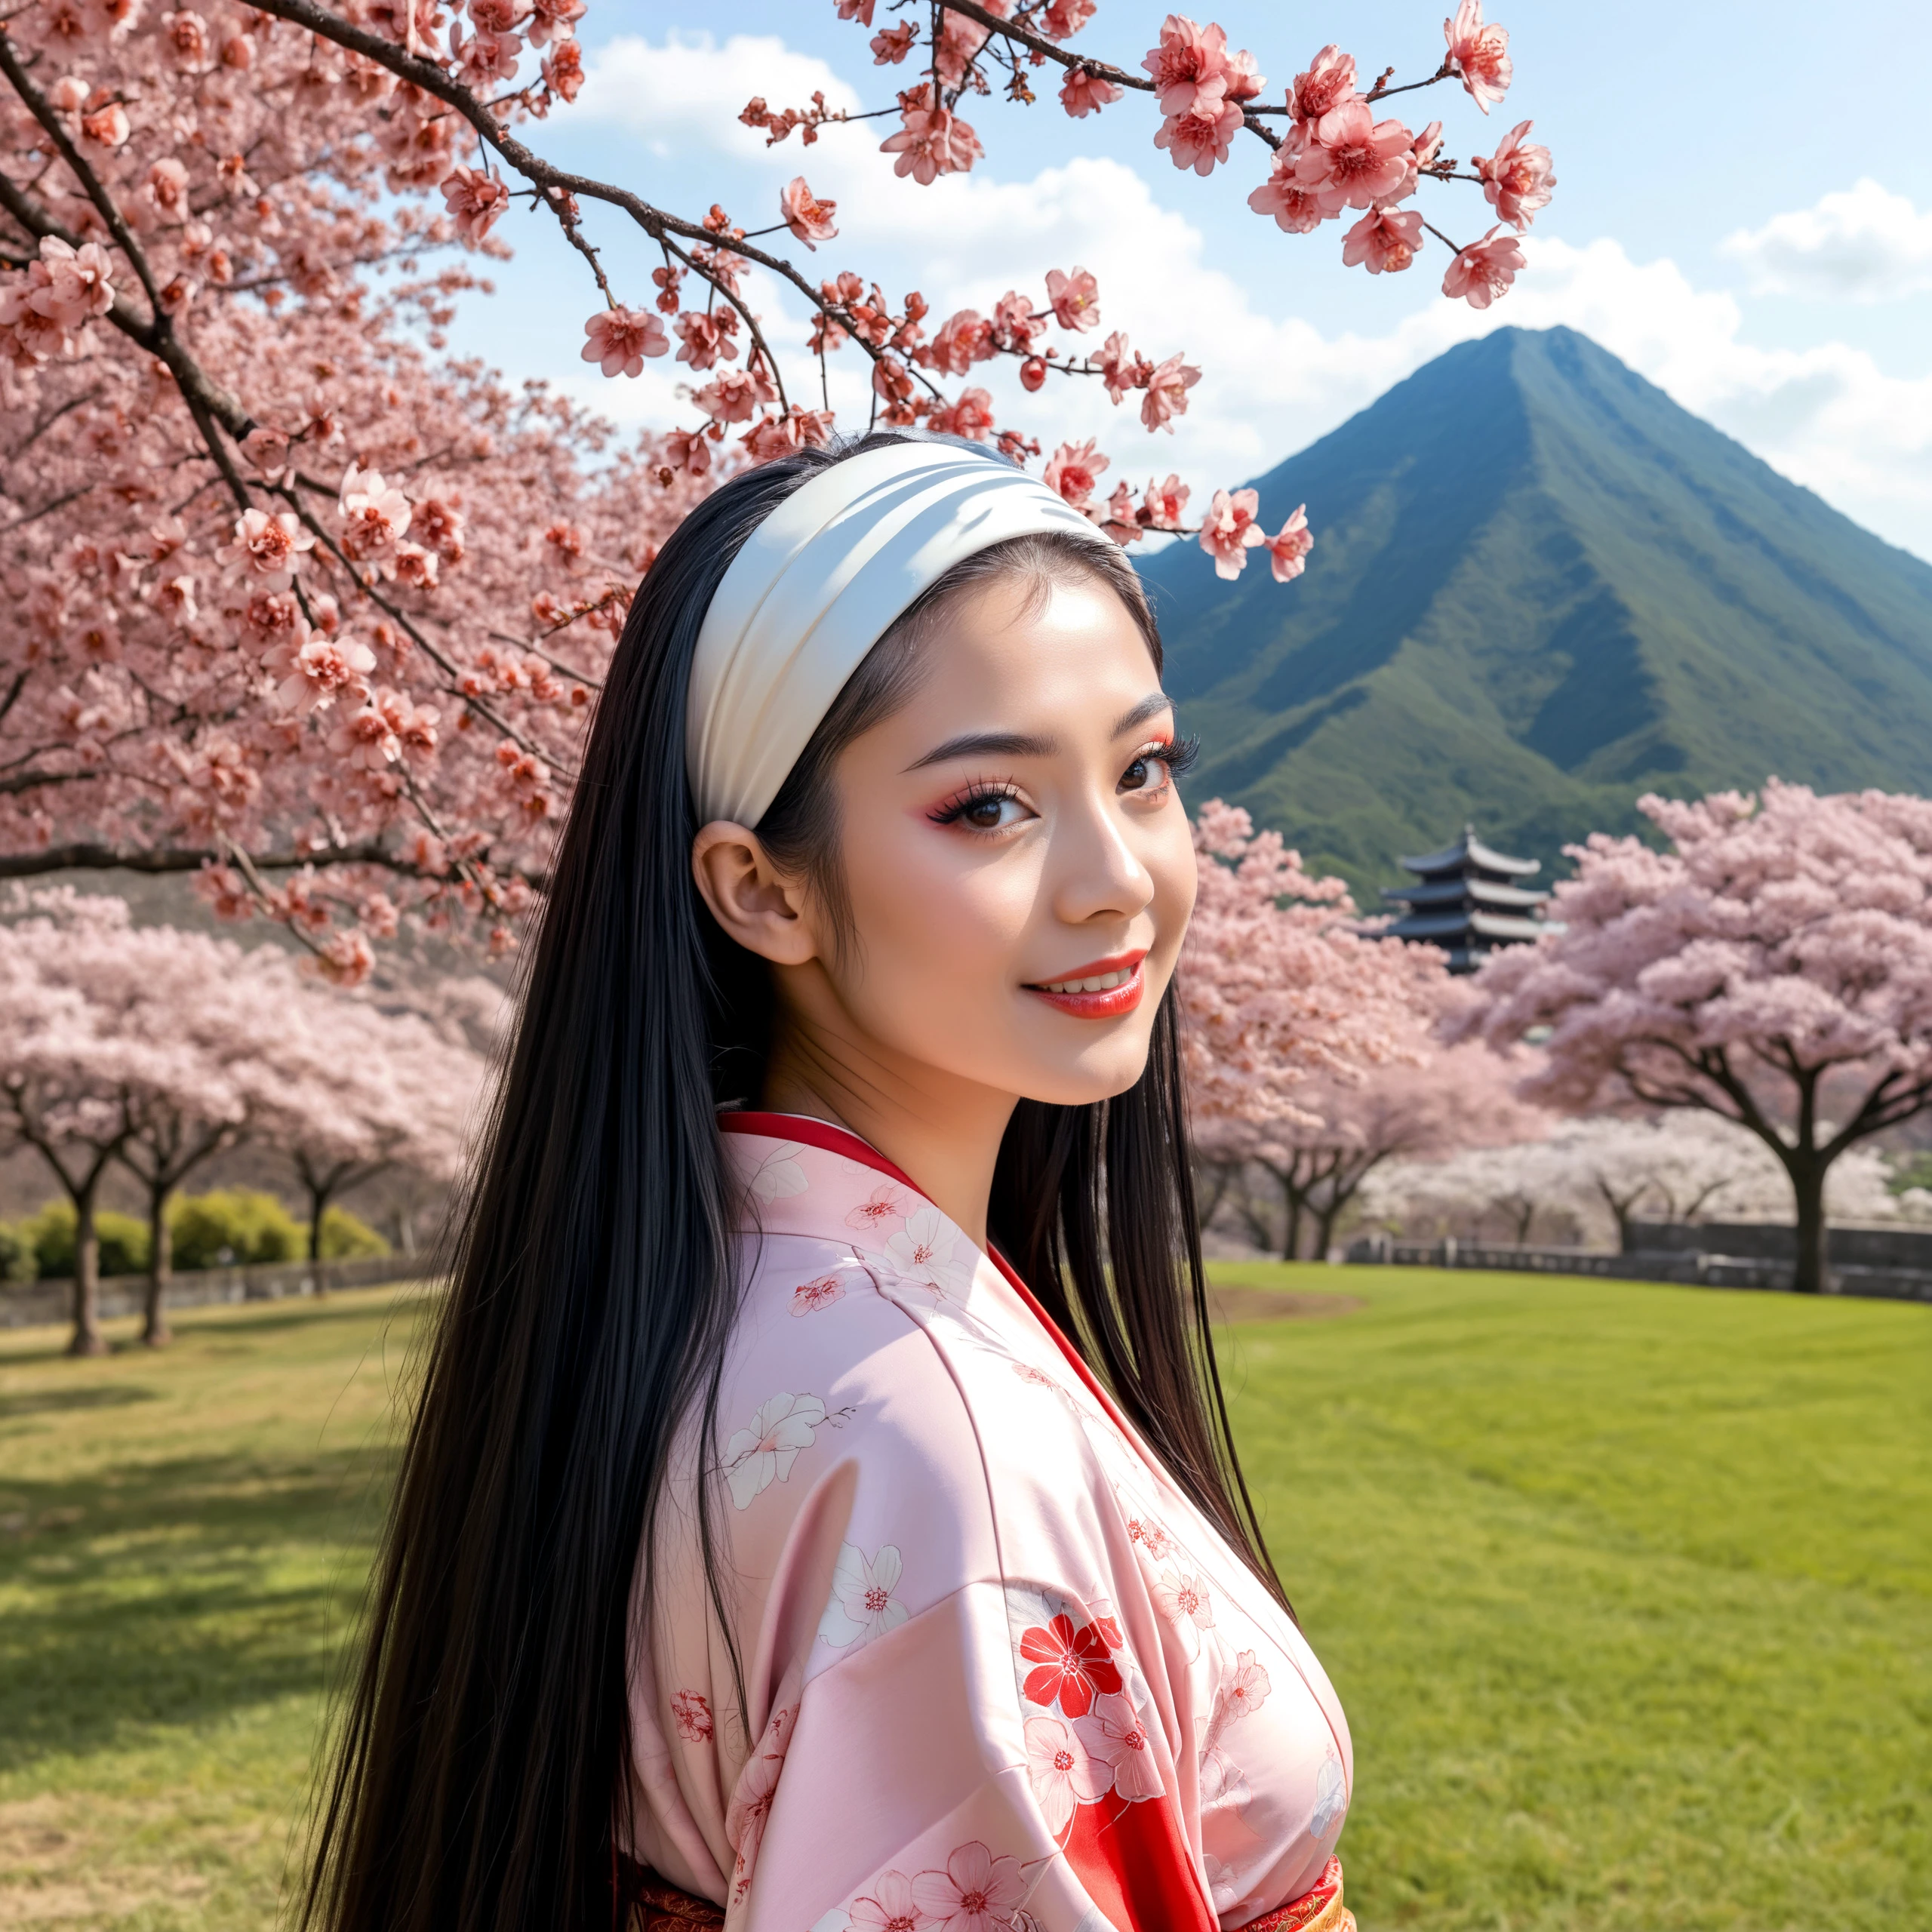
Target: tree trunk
[1811,1272]
[1526,1220]
[1291,1233]
[156,1332]
[87,1339]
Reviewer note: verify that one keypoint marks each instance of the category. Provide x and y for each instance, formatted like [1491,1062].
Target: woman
[820,1512]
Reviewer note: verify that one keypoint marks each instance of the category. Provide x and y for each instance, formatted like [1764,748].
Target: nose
[1098,876]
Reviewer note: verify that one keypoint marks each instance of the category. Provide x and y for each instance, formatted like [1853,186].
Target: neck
[942,1130]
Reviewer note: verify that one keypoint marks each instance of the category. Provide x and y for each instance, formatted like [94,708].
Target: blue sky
[1743,213]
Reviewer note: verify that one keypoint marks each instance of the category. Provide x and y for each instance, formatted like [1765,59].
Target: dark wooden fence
[25,1303]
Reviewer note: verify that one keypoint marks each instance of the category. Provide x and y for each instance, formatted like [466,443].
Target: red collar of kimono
[822,1133]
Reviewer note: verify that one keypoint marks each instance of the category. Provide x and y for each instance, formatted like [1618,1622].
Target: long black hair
[483,1754]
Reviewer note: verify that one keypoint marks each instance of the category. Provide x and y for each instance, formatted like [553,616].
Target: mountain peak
[1540,588]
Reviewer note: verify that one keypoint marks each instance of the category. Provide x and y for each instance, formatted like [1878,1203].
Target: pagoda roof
[1435,927]
[1470,850]
[1452,891]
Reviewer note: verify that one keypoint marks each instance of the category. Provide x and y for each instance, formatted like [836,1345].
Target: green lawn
[1628,1590]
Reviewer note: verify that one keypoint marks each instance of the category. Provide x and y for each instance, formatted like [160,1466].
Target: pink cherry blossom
[477,199]
[1082,93]
[1063,18]
[931,141]
[1517,179]
[1167,385]
[890,45]
[1165,504]
[269,547]
[976,1893]
[809,219]
[375,514]
[1481,54]
[1074,469]
[1296,210]
[1354,160]
[1383,242]
[706,338]
[107,127]
[321,669]
[68,285]
[1074,298]
[620,339]
[1229,531]
[1288,548]
[1190,68]
[1120,368]
[1200,140]
[1329,82]
[1484,269]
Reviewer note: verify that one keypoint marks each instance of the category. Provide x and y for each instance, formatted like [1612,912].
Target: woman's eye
[990,814]
[984,811]
[1156,768]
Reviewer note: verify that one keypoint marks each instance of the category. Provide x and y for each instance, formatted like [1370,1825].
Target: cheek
[935,915]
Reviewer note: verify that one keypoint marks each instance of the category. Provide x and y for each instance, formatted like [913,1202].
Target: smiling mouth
[1102,990]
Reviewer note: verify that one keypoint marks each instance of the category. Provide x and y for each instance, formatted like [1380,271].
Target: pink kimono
[1000,1673]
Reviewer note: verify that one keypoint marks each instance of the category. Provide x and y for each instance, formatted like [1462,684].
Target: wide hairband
[817,584]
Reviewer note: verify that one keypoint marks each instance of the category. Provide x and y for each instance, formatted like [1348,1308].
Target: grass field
[1628,1590]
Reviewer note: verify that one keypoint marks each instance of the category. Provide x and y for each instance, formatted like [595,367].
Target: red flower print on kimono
[1073,1665]
[976,1893]
[692,1715]
[809,1295]
[882,1211]
[1115,1737]
[751,1801]
[1150,1537]
[1063,1772]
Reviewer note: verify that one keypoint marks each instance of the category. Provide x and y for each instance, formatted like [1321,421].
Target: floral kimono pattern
[998,1674]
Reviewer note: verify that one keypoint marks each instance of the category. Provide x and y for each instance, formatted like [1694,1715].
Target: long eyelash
[1181,757]
[979,793]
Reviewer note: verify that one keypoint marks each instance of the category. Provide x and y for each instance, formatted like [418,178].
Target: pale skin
[1016,821]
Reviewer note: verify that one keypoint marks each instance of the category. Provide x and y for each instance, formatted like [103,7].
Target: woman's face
[1019,868]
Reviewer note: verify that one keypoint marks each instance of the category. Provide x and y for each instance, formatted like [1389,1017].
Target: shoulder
[820,1355]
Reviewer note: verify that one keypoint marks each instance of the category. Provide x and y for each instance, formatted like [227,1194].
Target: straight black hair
[483,1759]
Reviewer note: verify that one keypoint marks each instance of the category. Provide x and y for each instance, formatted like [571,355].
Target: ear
[764,911]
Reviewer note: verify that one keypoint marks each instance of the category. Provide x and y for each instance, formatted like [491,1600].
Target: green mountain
[1539,589]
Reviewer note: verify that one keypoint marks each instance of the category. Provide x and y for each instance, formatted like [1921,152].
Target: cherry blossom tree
[1774,966]
[1431,1100]
[315,613]
[1605,1174]
[120,1043]
[356,1087]
[1305,1039]
[159,1048]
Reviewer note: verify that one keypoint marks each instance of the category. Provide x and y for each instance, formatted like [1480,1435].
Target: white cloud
[1827,417]
[688,92]
[1864,244]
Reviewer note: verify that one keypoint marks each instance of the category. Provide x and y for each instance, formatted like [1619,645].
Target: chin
[1097,1074]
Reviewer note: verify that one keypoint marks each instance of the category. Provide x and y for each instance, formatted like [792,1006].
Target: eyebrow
[1023,744]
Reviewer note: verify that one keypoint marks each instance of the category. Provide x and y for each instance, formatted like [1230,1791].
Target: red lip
[1110,1004]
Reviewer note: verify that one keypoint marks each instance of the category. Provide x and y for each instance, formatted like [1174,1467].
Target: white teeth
[1103,984]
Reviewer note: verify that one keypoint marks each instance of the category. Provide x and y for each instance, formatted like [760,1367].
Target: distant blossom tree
[1302,1035]
[1430,1101]
[1774,967]
[307,611]
[159,1048]
[119,1043]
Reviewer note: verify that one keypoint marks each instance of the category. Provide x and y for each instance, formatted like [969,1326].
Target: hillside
[1540,588]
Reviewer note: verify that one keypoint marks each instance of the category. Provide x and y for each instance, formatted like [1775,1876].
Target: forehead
[1068,642]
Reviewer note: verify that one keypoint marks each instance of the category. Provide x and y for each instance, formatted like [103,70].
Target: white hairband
[818,583]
